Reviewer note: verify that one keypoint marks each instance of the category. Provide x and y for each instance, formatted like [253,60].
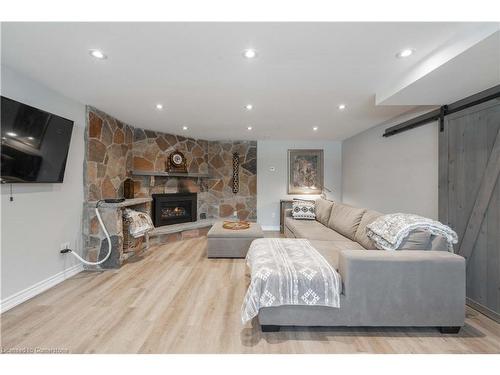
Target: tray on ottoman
[228,243]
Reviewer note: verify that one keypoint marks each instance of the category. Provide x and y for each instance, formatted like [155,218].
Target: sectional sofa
[422,284]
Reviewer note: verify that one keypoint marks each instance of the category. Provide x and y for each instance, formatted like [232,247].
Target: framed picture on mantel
[305,171]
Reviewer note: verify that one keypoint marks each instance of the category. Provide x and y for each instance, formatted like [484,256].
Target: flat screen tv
[35,144]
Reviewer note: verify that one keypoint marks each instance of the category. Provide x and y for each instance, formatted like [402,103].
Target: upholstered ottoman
[228,243]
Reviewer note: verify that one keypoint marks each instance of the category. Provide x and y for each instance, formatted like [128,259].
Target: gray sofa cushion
[439,243]
[323,210]
[421,240]
[416,240]
[361,237]
[312,230]
[330,250]
[345,219]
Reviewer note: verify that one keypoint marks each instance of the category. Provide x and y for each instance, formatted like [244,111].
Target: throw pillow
[303,210]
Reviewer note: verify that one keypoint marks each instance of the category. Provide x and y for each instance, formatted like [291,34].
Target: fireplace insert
[174,208]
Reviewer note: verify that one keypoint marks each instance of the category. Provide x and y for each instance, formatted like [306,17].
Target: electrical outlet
[65,245]
[235,213]
[273,215]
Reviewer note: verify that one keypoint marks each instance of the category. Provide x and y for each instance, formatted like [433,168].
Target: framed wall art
[305,171]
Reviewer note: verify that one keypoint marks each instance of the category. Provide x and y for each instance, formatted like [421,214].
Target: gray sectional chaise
[422,286]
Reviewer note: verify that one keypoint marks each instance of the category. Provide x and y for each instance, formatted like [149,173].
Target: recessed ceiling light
[342,107]
[31,138]
[159,106]
[11,134]
[97,54]
[405,53]
[249,128]
[249,107]
[185,128]
[250,53]
[315,128]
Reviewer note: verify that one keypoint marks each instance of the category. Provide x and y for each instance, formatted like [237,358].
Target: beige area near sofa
[420,285]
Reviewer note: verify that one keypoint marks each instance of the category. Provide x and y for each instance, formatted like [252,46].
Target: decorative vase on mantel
[128,188]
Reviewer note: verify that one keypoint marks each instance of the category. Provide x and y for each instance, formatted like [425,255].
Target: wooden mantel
[169,174]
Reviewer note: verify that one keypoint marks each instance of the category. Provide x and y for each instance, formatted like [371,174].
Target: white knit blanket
[140,222]
[288,272]
[388,231]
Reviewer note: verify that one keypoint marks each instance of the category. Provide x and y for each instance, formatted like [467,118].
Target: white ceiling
[465,67]
[196,70]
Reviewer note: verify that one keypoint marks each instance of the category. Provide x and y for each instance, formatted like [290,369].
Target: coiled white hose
[107,237]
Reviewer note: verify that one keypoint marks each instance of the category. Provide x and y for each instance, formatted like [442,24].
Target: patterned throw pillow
[303,210]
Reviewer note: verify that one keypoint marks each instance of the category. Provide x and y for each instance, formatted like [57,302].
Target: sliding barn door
[469,197]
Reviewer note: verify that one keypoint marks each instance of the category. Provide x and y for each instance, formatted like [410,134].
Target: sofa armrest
[428,283]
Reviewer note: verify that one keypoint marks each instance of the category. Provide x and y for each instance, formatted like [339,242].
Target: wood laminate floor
[175,300]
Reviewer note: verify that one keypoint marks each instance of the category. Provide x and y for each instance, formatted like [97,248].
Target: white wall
[394,174]
[272,186]
[42,216]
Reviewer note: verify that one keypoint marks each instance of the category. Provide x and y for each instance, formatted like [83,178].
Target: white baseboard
[271,227]
[34,290]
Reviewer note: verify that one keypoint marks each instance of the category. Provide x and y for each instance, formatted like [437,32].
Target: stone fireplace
[174,208]
[115,151]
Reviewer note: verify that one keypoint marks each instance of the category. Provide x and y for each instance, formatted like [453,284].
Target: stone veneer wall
[150,153]
[114,149]
[221,200]
[215,195]
[108,158]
